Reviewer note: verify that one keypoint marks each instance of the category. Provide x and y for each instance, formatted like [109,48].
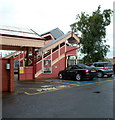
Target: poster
[21,70]
[47,66]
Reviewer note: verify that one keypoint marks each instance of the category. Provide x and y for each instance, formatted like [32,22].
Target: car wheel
[60,76]
[78,77]
[100,74]
[109,75]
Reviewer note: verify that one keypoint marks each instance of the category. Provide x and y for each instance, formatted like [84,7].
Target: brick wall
[56,67]
[7,76]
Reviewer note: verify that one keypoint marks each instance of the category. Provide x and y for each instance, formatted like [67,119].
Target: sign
[47,66]
[21,70]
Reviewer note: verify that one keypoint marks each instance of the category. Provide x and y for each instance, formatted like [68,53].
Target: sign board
[7,66]
[47,66]
[21,70]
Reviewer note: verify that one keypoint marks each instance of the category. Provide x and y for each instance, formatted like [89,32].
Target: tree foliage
[93,33]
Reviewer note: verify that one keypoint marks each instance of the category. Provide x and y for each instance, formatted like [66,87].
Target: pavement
[54,98]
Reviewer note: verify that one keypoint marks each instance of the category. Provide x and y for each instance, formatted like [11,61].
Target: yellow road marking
[85,84]
[97,82]
[27,93]
[37,84]
[32,82]
[27,88]
[68,83]
[29,85]
[41,92]
[76,84]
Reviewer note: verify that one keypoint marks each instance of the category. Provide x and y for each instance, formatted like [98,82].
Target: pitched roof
[56,33]
[20,32]
[54,41]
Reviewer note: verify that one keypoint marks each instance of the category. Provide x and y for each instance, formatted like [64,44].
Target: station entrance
[13,38]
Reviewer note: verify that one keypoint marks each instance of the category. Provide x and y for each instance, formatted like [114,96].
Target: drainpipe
[69,51]
[33,61]
[27,62]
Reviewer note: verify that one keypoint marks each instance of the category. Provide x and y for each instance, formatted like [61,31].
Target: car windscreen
[68,68]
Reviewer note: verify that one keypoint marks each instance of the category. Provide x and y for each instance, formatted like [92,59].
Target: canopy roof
[20,32]
[61,39]
[14,38]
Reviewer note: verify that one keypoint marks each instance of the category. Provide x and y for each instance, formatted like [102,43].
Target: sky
[45,15]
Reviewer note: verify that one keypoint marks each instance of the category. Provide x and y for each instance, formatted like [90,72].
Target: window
[108,64]
[48,37]
[100,65]
[71,60]
[16,63]
[69,67]
[74,67]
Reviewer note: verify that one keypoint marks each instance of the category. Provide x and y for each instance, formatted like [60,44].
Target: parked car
[103,68]
[78,72]
[114,68]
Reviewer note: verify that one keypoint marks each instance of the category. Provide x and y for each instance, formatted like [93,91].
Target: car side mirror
[66,69]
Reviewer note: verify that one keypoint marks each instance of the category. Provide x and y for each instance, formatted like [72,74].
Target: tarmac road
[60,99]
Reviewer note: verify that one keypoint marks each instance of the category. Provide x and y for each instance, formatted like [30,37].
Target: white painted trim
[65,47]
[50,54]
[59,51]
[42,61]
[53,62]
[38,73]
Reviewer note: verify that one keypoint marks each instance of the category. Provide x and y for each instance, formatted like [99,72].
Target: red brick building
[54,56]
[37,60]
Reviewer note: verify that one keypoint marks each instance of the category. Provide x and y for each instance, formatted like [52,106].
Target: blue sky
[44,15]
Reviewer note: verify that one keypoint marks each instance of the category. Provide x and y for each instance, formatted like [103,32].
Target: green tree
[93,32]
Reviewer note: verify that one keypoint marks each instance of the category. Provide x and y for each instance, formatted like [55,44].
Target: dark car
[104,68]
[114,68]
[78,72]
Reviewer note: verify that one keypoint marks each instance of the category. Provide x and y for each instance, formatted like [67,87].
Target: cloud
[44,15]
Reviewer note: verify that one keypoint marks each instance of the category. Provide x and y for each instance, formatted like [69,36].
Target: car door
[72,71]
[75,70]
[67,72]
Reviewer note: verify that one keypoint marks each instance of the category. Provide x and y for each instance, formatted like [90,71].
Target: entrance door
[71,60]
[16,69]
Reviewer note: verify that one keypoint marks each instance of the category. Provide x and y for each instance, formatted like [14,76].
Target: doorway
[71,60]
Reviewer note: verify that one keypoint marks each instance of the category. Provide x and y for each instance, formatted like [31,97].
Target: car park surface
[54,98]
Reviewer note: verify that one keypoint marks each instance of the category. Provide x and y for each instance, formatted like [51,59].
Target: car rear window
[99,65]
[107,64]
